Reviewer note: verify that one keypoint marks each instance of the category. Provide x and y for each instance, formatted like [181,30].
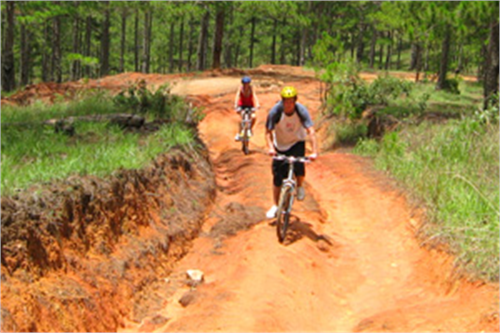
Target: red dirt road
[351,262]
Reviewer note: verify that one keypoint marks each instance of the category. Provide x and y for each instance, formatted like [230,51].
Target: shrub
[159,103]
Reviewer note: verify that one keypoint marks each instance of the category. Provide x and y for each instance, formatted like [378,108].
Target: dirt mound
[90,245]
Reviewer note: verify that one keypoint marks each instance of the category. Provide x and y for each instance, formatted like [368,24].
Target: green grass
[466,102]
[94,103]
[348,133]
[36,154]
[454,169]
[450,164]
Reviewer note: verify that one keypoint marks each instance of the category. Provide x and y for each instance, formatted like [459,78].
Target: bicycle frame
[287,195]
[246,122]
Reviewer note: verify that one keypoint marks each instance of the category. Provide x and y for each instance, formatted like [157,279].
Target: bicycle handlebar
[239,109]
[292,159]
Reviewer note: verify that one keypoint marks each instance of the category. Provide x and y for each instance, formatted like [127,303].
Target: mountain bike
[245,127]
[287,195]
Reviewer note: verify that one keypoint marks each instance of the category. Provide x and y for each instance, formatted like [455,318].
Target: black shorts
[280,168]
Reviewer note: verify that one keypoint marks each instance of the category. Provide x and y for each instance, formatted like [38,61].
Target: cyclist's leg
[240,127]
[299,149]
[280,170]
[279,173]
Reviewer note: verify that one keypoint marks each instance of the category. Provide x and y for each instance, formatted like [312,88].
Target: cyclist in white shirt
[287,126]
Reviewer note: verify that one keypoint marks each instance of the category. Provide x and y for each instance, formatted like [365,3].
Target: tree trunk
[460,55]
[302,52]
[88,44]
[298,38]
[415,54]
[373,47]
[443,67]
[352,44]
[181,42]
[361,45]
[190,43]
[56,49]
[252,39]
[283,48]
[25,55]
[228,46]
[303,43]
[171,48]
[426,62]
[202,41]
[219,34]
[389,52]
[491,70]
[146,41]
[238,46]
[75,64]
[105,41]
[136,41]
[273,47]
[400,47]
[381,54]
[8,69]
[45,55]
[123,40]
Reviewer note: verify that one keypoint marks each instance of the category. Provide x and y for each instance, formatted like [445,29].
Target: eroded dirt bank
[82,254]
[352,261]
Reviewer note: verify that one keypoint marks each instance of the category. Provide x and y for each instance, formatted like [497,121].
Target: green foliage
[348,96]
[386,88]
[490,114]
[160,103]
[451,85]
[84,61]
[349,133]
[36,154]
[462,197]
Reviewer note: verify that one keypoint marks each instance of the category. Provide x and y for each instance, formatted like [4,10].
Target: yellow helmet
[288,92]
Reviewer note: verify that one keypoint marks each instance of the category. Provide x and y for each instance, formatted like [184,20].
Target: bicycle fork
[289,184]
[245,126]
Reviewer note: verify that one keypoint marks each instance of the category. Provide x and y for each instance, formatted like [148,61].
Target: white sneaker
[271,213]
[301,193]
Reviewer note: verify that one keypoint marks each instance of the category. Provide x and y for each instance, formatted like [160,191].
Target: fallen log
[66,125]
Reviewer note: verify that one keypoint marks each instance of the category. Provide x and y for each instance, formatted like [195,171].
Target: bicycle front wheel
[283,216]
[245,140]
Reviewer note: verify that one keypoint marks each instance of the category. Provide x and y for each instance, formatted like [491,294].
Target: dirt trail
[352,261]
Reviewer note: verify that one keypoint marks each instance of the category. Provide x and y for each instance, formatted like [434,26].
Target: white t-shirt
[288,130]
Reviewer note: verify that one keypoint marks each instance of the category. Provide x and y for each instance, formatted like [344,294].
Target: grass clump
[34,153]
[454,168]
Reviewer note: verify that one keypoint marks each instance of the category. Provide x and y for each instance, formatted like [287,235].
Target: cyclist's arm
[269,140]
[314,143]
[237,98]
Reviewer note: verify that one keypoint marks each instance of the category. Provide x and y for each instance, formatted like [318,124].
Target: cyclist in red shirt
[246,97]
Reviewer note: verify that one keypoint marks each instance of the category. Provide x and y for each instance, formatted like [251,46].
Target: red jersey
[246,100]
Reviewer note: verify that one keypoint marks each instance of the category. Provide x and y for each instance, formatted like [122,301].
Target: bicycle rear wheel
[283,216]
[244,144]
